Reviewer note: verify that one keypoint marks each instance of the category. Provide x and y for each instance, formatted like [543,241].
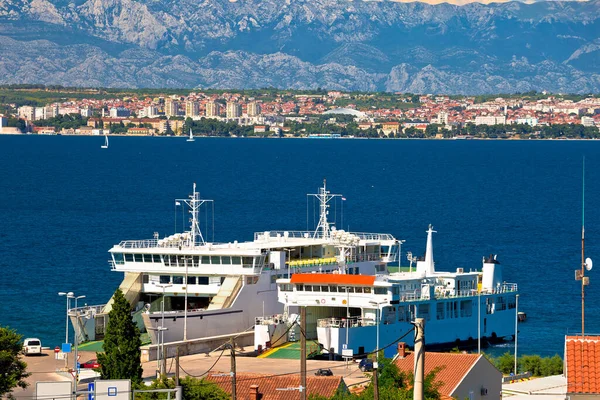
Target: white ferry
[215,290]
[359,313]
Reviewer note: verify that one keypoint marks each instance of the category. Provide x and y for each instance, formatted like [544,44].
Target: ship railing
[319,235]
[86,310]
[162,243]
[354,322]
[269,320]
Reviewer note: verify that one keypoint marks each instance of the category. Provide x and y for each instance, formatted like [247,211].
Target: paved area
[46,368]
[547,388]
[43,369]
[199,365]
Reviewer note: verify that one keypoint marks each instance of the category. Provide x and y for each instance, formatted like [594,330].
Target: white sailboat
[191,138]
[105,145]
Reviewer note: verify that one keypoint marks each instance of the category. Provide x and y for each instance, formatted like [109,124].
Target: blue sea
[64,202]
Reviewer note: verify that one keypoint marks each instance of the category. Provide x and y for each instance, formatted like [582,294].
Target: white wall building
[490,120]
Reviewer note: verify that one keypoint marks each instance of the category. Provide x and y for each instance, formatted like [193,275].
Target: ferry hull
[442,334]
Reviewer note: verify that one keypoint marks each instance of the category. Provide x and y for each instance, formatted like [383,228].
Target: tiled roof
[582,356]
[268,385]
[454,367]
[343,279]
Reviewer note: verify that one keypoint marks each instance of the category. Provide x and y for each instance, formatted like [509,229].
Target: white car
[32,346]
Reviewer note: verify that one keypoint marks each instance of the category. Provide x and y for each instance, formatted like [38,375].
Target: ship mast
[324,197]
[194,202]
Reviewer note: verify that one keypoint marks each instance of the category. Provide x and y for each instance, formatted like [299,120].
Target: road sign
[66,347]
[90,390]
[344,346]
[347,353]
[53,390]
[116,389]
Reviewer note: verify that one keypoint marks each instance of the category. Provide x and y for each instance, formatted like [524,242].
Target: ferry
[356,314]
[184,288]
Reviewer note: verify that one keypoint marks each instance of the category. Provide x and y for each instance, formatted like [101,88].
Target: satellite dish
[588,264]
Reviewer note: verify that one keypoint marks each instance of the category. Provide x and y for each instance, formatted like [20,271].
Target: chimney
[254,392]
[401,350]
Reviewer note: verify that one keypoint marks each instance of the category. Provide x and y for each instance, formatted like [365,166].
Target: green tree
[121,357]
[13,370]
[196,389]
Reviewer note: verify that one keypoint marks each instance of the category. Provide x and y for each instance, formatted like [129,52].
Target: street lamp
[400,242]
[76,340]
[69,295]
[162,328]
[377,318]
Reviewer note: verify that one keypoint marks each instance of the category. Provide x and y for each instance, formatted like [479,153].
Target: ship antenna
[324,197]
[194,202]
[585,263]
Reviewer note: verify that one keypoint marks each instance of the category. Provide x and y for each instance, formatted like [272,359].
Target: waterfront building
[490,120]
[119,112]
[253,109]
[192,109]
[171,107]
[587,121]
[234,110]
[213,109]
[86,111]
[27,113]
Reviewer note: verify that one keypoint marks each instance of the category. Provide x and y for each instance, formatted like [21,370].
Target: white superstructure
[216,289]
[355,312]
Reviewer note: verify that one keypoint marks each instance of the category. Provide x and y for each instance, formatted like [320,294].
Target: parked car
[32,346]
[366,364]
[324,372]
[90,364]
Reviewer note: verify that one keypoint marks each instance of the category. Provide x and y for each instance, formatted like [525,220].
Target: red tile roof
[268,385]
[342,279]
[454,367]
[582,360]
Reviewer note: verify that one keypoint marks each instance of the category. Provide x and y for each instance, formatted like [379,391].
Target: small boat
[521,316]
[191,138]
[105,145]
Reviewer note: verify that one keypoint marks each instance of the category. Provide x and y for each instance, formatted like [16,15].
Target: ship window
[350,289]
[173,261]
[118,257]
[215,260]
[178,280]
[358,290]
[466,308]
[236,260]
[247,262]
[129,257]
[196,261]
[333,288]
[285,287]
[165,279]
[138,258]
[203,280]
[308,288]
[324,288]
[440,311]
[299,287]
[147,258]
[226,259]
[316,288]
[156,258]
[205,260]
[145,278]
[191,280]
[380,290]
[367,290]
[252,280]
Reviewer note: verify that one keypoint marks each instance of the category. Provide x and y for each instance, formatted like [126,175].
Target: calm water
[64,202]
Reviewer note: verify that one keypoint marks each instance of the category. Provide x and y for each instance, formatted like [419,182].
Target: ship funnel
[492,273]
[427,267]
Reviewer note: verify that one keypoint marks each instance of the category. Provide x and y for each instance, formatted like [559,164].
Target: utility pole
[303,353]
[376,378]
[232,357]
[177,367]
[418,393]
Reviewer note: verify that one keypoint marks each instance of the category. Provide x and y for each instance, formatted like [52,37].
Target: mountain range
[298,44]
